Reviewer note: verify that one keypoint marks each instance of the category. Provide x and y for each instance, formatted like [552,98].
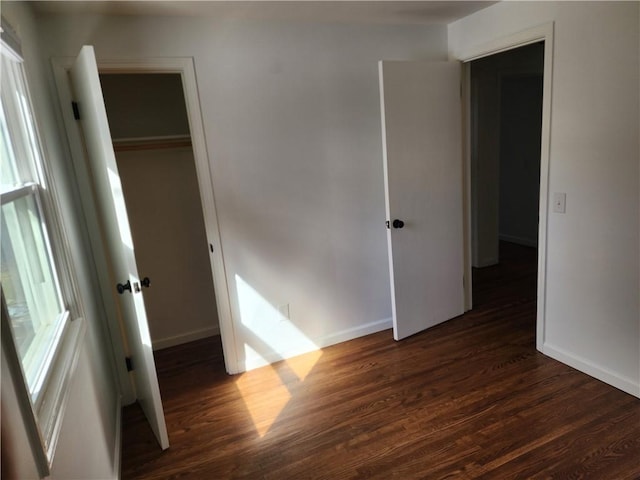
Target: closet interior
[150,131]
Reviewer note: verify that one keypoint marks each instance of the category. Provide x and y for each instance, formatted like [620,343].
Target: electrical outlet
[559,202]
[284,310]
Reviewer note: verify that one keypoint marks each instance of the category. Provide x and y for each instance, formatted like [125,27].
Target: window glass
[20,148]
[29,286]
[9,177]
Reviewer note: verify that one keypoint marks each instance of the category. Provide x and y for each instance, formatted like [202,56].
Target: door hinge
[76,110]
[211,247]
[127,360]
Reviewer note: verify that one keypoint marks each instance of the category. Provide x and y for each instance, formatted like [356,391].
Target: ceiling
[366,12]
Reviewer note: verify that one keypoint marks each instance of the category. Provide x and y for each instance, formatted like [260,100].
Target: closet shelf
[151,143]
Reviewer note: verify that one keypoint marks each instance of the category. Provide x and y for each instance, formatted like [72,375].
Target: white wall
[292,119]
[87,443]
[592,310]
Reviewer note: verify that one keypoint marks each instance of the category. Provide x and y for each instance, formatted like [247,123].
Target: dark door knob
[123,286]
[398,223]
[145,282]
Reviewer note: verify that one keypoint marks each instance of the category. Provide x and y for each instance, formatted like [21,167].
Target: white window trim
[43,415]
[43,421]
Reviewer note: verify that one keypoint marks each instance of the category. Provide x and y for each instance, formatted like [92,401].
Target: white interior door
[117,236]
[421,130]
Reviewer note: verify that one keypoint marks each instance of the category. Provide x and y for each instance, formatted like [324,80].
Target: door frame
[535,34]
[184,66]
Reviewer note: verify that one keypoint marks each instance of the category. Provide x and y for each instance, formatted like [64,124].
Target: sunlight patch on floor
[264,395]
[303,364]
[270,336]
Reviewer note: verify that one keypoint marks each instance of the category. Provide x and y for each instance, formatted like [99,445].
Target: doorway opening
[149,126]
[506,108]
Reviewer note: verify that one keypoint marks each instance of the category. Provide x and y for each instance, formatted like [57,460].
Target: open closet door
[422,144]
[114,224]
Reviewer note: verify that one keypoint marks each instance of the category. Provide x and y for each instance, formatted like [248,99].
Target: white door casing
[422,148]
[540,33]
[114,226]
[184,66]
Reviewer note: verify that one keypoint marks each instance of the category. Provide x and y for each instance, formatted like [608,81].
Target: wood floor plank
[470,398]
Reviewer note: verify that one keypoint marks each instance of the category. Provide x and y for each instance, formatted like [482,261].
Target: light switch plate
[559,202]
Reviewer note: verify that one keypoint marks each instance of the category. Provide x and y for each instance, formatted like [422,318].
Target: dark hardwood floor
[471,398]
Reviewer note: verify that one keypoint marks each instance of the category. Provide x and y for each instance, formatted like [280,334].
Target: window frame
[43,413]
[36,360]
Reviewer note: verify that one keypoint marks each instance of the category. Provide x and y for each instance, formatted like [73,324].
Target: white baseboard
[322,342]
[185,337]
[355,332]
[625,384]
[527,242]
[117,448]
